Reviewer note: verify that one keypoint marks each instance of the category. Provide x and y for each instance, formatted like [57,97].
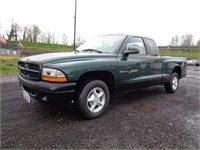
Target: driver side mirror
[131,50]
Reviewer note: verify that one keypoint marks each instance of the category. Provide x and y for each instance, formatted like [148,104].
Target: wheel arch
[177,69]
[106,76]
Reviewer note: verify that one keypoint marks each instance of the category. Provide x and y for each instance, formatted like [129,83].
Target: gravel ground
[143,119]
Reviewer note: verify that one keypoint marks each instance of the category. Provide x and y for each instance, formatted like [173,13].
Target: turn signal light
[54,79]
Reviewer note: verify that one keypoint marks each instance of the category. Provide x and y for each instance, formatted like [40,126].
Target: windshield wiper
[92,50]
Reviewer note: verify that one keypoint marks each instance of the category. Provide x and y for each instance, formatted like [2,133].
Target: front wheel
[93,99]
[172,85]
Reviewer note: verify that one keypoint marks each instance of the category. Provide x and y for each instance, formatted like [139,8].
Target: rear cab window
[152,48]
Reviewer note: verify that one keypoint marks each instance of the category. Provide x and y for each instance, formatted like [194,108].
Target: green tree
[24,38]
[176,38]
[172,41]
[175,41]
[53,36]
[64,39]
[13,34]
[49,37]
[29,37]
[187,40]
[35,32]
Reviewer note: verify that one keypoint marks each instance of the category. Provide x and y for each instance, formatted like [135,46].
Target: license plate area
[26,96]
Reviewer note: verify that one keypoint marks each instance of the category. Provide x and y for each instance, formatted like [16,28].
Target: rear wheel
[93,99]
[172,85]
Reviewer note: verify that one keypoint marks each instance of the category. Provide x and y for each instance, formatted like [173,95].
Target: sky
[158,19]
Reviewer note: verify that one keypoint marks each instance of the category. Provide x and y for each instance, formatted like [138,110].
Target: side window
[152,48]
[137,42]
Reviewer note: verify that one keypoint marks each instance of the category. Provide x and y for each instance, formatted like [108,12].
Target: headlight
[53,75]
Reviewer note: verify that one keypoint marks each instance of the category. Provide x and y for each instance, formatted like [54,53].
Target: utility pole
[75,25]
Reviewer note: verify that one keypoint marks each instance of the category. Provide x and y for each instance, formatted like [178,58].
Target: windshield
[103,44]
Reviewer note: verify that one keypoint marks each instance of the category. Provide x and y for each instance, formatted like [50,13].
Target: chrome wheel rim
[175,83]
[96,100]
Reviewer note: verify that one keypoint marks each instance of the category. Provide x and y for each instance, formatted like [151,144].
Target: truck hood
[66,56]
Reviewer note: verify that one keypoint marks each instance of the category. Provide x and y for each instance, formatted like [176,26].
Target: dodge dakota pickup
[100,67]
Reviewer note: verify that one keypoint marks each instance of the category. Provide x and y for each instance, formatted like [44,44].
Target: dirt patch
[146,109]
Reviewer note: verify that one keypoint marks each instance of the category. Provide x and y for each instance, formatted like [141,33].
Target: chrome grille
[29,70]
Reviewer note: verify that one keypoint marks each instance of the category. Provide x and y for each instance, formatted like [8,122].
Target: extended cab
[100,67]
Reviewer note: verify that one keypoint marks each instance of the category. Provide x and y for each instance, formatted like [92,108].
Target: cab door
[156,61]
[134,69]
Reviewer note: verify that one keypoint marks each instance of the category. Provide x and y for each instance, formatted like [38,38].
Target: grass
[31,48]
[190,54]
[46,47]
[8,65]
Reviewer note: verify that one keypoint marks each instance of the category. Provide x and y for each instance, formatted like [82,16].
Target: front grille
[30,70]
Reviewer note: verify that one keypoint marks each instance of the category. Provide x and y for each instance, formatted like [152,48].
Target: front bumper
[48,91]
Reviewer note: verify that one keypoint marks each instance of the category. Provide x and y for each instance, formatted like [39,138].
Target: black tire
[172,85]
[97,90]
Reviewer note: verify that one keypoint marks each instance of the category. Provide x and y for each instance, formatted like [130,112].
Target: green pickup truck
[102,66]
